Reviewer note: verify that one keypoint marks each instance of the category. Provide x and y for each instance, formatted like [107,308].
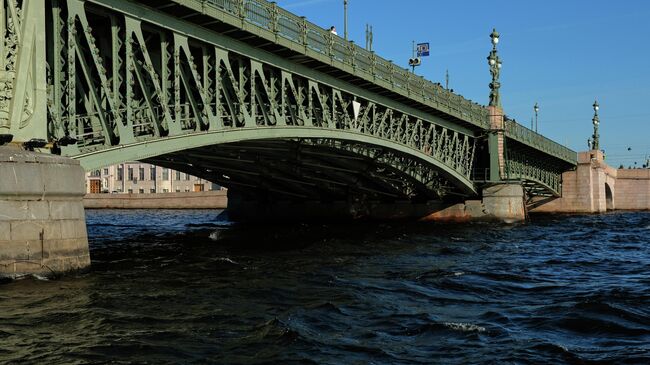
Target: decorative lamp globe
[495,37]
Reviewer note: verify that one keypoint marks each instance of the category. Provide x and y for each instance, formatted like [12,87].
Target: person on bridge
[333,30]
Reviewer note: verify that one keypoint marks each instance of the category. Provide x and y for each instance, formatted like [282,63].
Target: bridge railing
[310,37]
[297,33]
[527,136]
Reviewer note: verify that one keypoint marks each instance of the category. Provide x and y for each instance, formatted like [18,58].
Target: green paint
[130,82]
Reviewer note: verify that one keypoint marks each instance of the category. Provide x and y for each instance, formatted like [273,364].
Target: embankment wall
[199,200]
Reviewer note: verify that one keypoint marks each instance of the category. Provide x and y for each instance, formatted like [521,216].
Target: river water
[190,287]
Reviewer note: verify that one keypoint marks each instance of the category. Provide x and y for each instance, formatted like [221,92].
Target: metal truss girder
[216,90]
[231,45]
[149,149]
[540,176]
[296,168]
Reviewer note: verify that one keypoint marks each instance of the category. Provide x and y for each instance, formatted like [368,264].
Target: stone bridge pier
[596,187]
[42,221]
[588,189]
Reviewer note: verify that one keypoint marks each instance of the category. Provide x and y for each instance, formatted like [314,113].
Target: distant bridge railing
[280,25]
[274,23]
[526,136]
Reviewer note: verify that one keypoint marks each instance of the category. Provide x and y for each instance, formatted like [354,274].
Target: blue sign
[423,49]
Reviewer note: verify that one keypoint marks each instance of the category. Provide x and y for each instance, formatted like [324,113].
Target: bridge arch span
[189,153]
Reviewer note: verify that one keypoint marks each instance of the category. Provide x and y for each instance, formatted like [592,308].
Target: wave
[464,327]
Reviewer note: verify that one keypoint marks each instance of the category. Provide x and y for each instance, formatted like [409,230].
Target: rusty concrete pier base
[500,203]
[42,221]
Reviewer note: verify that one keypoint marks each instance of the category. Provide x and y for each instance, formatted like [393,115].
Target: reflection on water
[187,287]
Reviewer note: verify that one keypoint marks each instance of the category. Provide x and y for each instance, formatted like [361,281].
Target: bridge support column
[501,203]
[42,221]
[590,188]
[496,144]
[505,202]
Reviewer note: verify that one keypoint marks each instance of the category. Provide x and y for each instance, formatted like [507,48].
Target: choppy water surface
[185,287]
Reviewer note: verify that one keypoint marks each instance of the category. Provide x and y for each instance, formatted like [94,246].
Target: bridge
[245,94]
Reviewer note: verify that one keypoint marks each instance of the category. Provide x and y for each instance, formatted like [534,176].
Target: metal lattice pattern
[313,169]
[540,177]
[265,19]
[122,81]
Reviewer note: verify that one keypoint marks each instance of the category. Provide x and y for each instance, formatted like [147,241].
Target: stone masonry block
[82,231]
[20,180]
[63,180]
[22,250]
[38,210]
[67,209]
[11,210]
[5,231]
[69,228]
[52,230]
[26,230]
[73,228]
[67,246]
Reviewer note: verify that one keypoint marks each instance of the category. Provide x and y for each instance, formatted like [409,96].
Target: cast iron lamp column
[595,137]
[495,67]
[345,19]
[496,136]
[536,109]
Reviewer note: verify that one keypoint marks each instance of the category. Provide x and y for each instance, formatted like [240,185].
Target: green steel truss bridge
[250,96]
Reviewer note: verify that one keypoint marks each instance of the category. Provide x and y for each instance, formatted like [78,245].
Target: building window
[95,173]
[120,173]
[165,174]
[187,189]
[187,177]
[130,191]
[165,190]
[130,172]
[152,173]
[178,189]
[178,175]
[106,171]
[141,173]
[152,191]
[141,191]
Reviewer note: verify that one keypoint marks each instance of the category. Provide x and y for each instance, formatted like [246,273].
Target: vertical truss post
[23,81]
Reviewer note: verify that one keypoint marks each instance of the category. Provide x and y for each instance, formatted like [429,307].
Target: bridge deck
[122,80]
[281,30]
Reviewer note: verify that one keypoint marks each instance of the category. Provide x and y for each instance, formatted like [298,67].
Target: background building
[143,178]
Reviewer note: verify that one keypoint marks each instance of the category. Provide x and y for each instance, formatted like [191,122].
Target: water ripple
[191,287]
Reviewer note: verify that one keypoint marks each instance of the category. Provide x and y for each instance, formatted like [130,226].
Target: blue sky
[561,54]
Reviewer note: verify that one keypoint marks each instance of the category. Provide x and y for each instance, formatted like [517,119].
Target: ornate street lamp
[495,67]
[536,109]
[595,137]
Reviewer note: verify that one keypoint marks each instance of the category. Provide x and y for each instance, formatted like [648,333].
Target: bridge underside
[315,169]
[539,176]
